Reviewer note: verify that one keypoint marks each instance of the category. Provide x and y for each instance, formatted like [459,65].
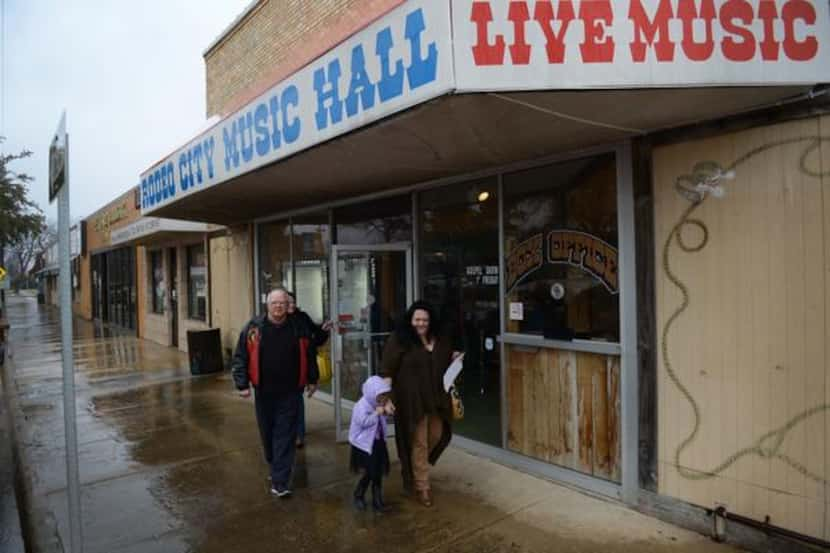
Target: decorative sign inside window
[579,249]
[593,255]
[525,258]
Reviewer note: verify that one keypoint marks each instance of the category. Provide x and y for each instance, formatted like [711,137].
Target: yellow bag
[457,404]
[324,365]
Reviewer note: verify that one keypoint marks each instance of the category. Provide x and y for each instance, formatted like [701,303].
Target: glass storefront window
[196,282]
[377,222]
[159,288]
[560,233]
[460,277]
[274,258]
[312,242]
[312,239]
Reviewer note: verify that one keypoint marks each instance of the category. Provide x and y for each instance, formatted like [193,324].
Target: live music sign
[576,44]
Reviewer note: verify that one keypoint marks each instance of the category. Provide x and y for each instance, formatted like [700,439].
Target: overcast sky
[130,75]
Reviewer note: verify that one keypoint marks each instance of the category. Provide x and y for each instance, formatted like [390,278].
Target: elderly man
[273,355]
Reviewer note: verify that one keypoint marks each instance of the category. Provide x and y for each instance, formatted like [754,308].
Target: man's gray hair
[274,291]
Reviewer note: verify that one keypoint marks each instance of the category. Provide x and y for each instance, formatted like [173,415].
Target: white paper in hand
[453,371]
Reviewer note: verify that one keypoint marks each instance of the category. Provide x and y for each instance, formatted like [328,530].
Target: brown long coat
[417,390]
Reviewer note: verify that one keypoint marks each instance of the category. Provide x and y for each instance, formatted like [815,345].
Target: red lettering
[645,30]
[732,49]
[520,49]
[596,15]
[554,43]
[687,12]
[485,53]
[768,13]
[807,48]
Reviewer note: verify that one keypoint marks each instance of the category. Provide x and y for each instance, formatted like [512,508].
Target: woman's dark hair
[406,334]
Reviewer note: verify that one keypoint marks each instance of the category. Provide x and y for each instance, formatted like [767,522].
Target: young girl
[367,434]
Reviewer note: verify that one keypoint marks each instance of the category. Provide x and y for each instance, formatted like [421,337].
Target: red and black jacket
[245,365]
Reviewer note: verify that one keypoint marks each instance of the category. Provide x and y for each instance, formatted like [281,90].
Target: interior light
[483,196]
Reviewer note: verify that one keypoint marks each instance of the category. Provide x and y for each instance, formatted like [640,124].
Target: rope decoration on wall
[707,179]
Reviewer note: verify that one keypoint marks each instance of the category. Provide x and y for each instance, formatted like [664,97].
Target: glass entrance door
[372,287]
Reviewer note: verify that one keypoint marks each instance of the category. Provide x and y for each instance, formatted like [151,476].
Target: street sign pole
[59,185]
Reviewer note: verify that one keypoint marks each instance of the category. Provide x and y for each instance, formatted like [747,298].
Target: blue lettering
[246,127]
[197,158]
[184,172]
[144,202]
[360,86]
[421,70]
[291,131]
[165,191]
[231,151]
[390,84]
[332,95]
[263,141]
[171,179]
[157,189]
[274,104]
[209,144]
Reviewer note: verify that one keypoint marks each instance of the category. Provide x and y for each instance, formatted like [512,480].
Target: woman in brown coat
[415,358]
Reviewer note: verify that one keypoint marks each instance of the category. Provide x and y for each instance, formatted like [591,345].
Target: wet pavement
[171,463]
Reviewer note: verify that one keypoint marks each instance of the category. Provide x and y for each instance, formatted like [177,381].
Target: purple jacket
[365,421]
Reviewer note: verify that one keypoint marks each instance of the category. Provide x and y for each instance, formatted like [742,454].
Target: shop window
[196,282]
[76,277]
[561,250]
[312,239]
[311,248]
[159,287]
[274,258]
[460,277]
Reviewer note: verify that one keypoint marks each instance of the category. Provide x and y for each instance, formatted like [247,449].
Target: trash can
[204,349]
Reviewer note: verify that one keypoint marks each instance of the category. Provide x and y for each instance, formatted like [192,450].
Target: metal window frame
[341,433]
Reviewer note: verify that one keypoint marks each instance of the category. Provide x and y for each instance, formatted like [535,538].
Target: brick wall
[277,38]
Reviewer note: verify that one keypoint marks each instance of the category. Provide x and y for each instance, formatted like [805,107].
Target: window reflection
[460,277]
[377,222]
[560,225]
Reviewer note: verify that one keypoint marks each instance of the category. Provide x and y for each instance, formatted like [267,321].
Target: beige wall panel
[750,348]
[231,284]
[157,329]
[824,165]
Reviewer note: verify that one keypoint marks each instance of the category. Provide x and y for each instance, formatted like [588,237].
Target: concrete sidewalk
[171,463]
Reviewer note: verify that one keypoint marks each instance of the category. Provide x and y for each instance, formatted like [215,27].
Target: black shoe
[359,500]
[281,491]
[377,499]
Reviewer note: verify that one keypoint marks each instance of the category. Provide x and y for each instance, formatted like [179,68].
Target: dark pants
[277,420]
[301,420]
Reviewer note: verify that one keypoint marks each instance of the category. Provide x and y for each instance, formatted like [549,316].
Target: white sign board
[579,44]
[403,59]
[517,311]
[146,226]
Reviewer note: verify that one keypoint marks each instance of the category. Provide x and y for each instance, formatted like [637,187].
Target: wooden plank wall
[752,346]
[564,408]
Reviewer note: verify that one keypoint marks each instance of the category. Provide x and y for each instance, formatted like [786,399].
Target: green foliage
[19,216]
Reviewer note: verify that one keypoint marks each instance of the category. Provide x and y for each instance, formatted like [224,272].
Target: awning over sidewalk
[156,230]
[425,93]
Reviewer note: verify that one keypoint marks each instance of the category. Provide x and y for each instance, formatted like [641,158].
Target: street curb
[37,522]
